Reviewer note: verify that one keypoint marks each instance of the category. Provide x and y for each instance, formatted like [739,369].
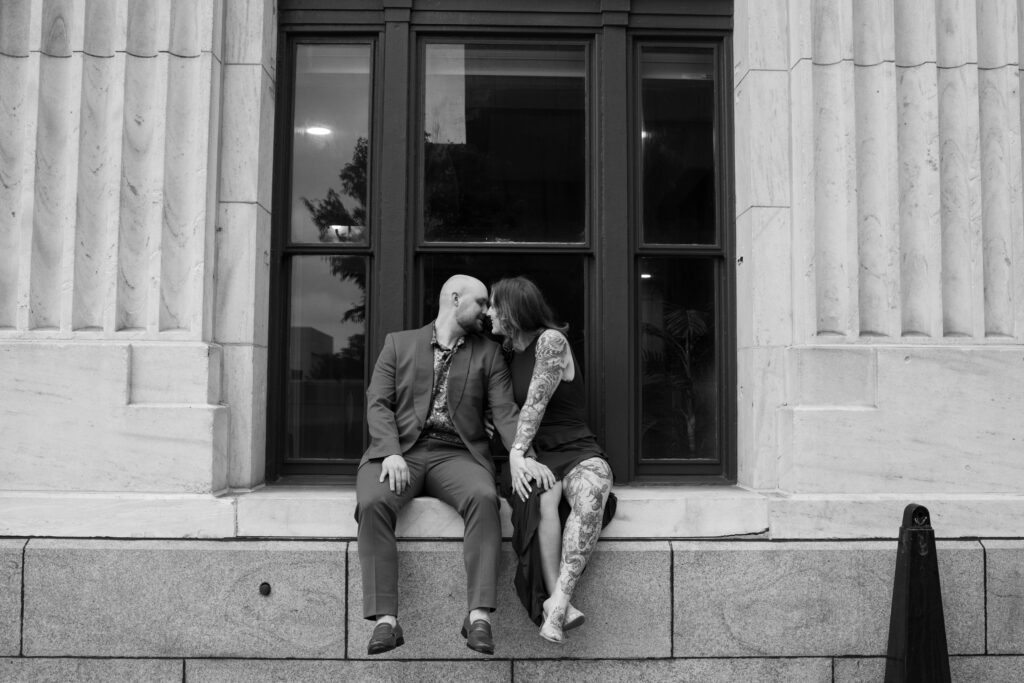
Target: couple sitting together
[428,404]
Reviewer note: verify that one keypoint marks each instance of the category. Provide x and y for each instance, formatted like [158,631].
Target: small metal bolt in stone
[264,588]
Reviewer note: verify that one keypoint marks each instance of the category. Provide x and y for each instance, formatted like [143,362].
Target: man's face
[471,309]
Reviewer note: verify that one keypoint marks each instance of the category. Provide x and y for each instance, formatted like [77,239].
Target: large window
[578,149]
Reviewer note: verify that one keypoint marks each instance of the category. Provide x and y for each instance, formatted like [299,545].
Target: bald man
[426,404]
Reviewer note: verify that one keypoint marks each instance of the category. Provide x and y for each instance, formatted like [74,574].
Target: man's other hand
[394,469]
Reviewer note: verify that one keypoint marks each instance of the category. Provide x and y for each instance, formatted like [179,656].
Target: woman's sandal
[573,619]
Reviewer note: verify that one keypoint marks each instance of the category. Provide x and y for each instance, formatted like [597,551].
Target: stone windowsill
[643,512]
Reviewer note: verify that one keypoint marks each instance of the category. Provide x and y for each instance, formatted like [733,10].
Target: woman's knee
[550,499]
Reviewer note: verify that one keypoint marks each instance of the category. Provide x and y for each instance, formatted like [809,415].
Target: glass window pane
[330,143]
[679,411]
[326,358]
[677,138]
[559,277]
[504,143]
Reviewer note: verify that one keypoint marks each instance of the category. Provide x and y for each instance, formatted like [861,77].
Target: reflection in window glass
[677,137]
[560,277]
[330,144]
[504,143]
[679,399]
[326,357]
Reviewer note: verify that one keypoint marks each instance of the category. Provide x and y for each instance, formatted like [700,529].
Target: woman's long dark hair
[521,307]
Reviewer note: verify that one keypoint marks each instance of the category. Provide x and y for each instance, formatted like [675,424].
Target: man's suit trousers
[451,474]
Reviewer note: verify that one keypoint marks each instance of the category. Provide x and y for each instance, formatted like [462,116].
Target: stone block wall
[82,610]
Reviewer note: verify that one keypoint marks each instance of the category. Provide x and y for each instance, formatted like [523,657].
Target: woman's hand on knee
[543,475]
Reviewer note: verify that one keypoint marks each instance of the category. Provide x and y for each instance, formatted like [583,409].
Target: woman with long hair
[570,466]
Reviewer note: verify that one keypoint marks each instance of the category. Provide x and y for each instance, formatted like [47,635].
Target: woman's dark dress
[563,440]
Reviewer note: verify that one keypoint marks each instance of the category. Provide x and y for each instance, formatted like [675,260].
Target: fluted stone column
[896,201]
[135,147]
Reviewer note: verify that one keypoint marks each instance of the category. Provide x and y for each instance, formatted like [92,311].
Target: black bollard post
[917,630]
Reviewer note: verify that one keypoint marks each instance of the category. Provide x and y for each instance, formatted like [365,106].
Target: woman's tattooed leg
[586,487]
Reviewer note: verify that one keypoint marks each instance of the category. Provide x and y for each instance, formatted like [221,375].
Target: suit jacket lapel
[424,373]
[458,374]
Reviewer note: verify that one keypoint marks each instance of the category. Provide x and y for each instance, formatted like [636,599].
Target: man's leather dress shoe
[478,636]
[385,638]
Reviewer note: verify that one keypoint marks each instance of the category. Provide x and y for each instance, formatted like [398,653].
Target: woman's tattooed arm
[550,364]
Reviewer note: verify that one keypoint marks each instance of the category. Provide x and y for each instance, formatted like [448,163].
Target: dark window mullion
[391,286]
[613,391]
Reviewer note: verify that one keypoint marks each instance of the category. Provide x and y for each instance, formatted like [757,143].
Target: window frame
[722,470]
[284,249]
[612,34]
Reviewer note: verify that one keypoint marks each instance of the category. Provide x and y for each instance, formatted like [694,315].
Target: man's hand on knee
[396,471]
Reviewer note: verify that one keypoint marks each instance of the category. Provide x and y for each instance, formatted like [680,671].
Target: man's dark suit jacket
[398,398]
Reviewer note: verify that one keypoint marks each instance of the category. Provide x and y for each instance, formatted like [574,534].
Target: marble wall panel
[245,393]
[243,273]
[762,140]
[744,280]
[142,179]
[1005,596]
[63,27]
[834,201]
[947,419]
[11,550]
[248,112]
[915,32]
[78,670]
[1001,195]
[802,189]
[106,31]
[800,23]
[960,202]
[149,27]
[832,27]
[799,599]
[55,185]
[79,433]
[770,261]
[873,32]
[619,609]
[838,515]
[186,173]
[997,28]
[19,75]
[760,36]
[919,188]
[184,598]
[760,394]
[163,372]
[15,20]
[250,36]
[99,186]
[878,250]
[832,376]
[957,33]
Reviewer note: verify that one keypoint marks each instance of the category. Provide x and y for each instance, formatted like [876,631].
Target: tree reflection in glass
[504,156]
[331,132]
[325,392]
